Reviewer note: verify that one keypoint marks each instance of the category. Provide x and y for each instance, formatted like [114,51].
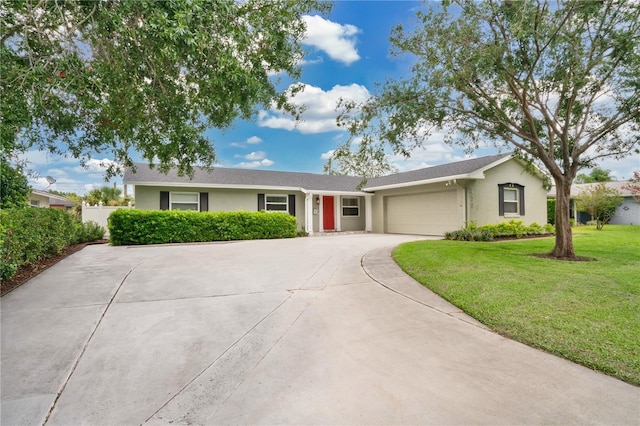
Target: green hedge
[30,234]
[158,227]
[510,229]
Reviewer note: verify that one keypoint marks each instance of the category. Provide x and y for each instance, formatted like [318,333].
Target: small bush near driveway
[588,312]
[28,235]
[504,230]
[158,227]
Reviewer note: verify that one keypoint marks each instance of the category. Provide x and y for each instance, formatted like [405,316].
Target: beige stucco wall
[220,200]
[42,200]
[482,195]
[378,205]
[352,223]
[347,223]
[478,197]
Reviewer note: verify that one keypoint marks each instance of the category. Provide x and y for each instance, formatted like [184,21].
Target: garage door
[423,214]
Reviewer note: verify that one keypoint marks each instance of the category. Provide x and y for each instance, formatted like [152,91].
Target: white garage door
[423,214]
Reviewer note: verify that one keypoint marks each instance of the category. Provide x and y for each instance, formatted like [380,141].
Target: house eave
[213,185]
[474,175]
[52,196]
[236,186]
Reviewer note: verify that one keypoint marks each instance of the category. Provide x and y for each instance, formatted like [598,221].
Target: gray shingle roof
[244,177]
[444,170]
[577,188]
[220,176]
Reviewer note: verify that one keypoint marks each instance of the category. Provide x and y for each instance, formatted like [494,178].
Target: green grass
[588,312]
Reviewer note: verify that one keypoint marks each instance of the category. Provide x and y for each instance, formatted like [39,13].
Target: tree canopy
[600,202]
[14,187]
[556,82]
[596,175]
[118,76]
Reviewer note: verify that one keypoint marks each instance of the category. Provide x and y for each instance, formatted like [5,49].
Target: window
[276,203]
[35,203]
[511,199]
[350,206]
[185,201]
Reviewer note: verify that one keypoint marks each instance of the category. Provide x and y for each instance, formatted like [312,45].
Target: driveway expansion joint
[223,353]
[86,344]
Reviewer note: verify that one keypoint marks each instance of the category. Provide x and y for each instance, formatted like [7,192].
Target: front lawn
[588,312]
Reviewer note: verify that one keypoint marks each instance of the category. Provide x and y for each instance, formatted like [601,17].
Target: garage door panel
[422,214]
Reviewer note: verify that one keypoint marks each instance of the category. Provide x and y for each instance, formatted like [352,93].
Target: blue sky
[347,54]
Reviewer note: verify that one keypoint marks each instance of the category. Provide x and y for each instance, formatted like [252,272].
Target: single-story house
[628,213]
[39,198]
[429,201]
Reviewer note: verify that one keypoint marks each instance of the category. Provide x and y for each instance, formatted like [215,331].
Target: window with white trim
[185,201]
[350,206]
[276,203]
[511,201]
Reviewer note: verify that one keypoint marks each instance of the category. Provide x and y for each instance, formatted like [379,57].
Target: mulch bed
[27,272]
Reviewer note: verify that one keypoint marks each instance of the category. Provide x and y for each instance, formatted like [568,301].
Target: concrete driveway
[320,330]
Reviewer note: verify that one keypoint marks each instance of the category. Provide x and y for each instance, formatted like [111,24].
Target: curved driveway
[322,330]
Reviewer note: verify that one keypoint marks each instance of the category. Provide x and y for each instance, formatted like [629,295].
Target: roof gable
[443,171]
[247,178]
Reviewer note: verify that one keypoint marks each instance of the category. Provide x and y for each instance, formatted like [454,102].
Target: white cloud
[431,154]
[256,155]
[327,155]
[318,60]
[95,165]
[320,113]
[57,173]
[254,140]
[620,169]
[265,162]
[35,158]
[336,40]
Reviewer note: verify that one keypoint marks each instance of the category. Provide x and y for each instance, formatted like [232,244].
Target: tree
[596,175]
[107,195]
[634,185]
[83,77]
[14,187]
[554,82]
[600,202]
[76,210]
[365,163]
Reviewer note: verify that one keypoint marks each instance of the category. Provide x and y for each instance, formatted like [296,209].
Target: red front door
[328,222]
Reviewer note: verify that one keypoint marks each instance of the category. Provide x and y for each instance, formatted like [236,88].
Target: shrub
[157,227]
[510,229]
[29,234]
[551,211]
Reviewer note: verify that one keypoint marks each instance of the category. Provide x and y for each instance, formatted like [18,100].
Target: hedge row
[510,229]
[158,227]
[31,234]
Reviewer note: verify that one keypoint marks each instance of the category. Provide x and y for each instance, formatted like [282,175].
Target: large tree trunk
[564,237]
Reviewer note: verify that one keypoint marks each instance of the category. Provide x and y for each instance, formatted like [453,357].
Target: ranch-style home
[429,201]
[628,213]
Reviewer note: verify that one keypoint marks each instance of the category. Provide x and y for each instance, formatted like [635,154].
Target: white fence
[99,214]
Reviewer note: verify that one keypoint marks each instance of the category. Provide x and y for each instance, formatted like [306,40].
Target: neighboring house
[428,201]
[627,214]
[46,199]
